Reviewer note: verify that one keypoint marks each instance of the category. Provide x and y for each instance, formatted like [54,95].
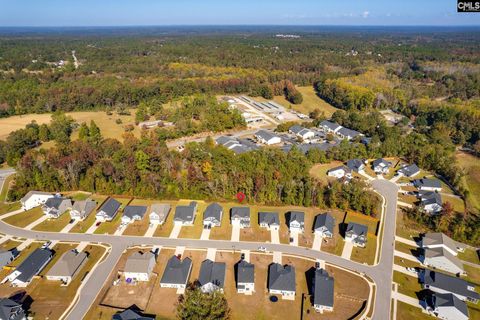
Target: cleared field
[471,165]
[310,102]
[106,123]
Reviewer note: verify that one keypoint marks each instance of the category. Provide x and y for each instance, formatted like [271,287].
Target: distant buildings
[301,132]
[356,165]
[341,132]
[340,172]
[267,137]
[238,146]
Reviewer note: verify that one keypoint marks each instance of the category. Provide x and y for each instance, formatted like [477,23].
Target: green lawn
[407,285]
[371,223]
[8,207]
[408,312]
[471,180]
[319,170]
[23,219]
[473,274]
[469,255]
[367,254]
[54,225]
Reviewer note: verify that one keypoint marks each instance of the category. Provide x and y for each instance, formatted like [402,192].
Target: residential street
[381,274]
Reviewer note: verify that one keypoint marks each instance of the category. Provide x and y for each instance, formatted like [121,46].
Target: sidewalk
[36,222]
[277,257]
[24,244]
[69,227]
[12,213]
[211,253]
[151,230]
[406,241]
[406,256]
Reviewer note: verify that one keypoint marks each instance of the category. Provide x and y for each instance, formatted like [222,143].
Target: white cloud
[365,14]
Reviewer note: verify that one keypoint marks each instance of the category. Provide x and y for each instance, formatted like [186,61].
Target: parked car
[98,223]
[262,249]
[242,256]
[46,244]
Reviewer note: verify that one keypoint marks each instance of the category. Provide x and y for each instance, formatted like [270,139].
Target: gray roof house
[185,215]
[245,277]
[349,134]
[68,266]
[108,210]
[446,306]
[81,209]
[329,127]
[296,221]
[267,137]
[431,202]
[240,216]
[324,225]
[340,172]
[439,258]
[159,212]
[427,184]
[356,165]
[269,220]
[213,215]
[357,234]
[437,239]
[212,276]
[381,166]
[56,206]
[301,132]
[139,266]
[281,280]
[10,310]
[442,283]
[133,213]
[176,273]
[7,256]
[410,170]
[323,286]
[30,267]
[129,314]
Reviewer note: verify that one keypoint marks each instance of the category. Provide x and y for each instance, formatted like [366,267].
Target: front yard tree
[195,304]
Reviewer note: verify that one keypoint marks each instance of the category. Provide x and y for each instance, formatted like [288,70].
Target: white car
[262,249]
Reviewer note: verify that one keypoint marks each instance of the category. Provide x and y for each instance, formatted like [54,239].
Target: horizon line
[240,25]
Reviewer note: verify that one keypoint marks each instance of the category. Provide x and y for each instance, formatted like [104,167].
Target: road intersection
[380,274]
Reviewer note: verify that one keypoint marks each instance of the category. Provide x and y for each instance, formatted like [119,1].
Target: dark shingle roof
[447,300]
[358,229]
[431,198]
[110,207]
[184,213]
[245,272]
[331,125]
[176,271]
[451,284]
[297,216]
[129,314]
[86,206]
[325,219]
[270,218]
[429,183]
[131,211]
[381,161]
[355,164]
[34,261]
[265,135]
[10,310]
[281,277]
[348,132]
[323,288]
[213,210]
[55,202]
[240,212]
[212,272]
[409,170]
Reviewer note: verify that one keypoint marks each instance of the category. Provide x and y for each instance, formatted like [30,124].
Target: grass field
[367,254]
[310,102]
[106,123]
[471,165]
[407,285]
[25,218]
[319,170]
[408,312]
[54,225]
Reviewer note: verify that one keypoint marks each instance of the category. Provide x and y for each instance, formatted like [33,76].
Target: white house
[301,132]
[340,172]
[269,220]
[296,221]
[324,225]
[34,199]
[240,216]
[428,185]
[267,137]
[356,234]
[213,215]
[329,127]
[381,166]
[245,277]
[133,213]
[439,258]
[139,266]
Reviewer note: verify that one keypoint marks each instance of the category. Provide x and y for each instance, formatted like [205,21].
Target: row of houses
[281,278]
[64,270]
[440,252]
[339,131]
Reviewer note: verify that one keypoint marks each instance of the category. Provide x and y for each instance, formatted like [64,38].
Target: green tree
[94,133]
[142,113]
[142,161]
[196,305]
[44,133]
[83,132]
[61,128]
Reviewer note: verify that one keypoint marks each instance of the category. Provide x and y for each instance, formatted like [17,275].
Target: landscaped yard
[111,226]
[367,254]
[408,312]
[82,226]
[473,274]
[359,218]
[54,225]
[469,255]
[23,219]
[407,285]
[193,232]
[8,207]
[319,170]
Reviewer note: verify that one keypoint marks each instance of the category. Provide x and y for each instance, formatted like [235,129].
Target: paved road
[4,173]
[381,274]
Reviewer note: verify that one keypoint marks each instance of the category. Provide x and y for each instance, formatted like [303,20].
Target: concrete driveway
[294,235]
[175,231]
[317,242]
[347,250]
[274,236]
[205,234]
[151,230]
[235,233]
[36,222]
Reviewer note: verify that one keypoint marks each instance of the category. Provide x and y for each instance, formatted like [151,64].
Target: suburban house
[409,170]
[7,256]
[212,276]
[269,220]
[324,225]
[34,199]
[301,132]
[213,215]
[245,277]
[267,137]
[431,202]
[356,234]
[159,213]
[340,172]
[108,210]
[381,166]
[440,258]
[133,213]
[30,267]
[240,216]
[129,314]
[356,165]
[434,240]
[296,221]
[10,310]
[446,306]
[176,273]
[139,266]
[185,215]
[348,134]
[442,283]
[81,209]
[67,267]
[329,127]
[428,184]
[56,206]
[322,291]
[281,280]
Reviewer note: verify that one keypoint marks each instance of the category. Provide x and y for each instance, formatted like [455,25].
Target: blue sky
[228,12]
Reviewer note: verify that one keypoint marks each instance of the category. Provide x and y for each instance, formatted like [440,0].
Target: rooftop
[281,277]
